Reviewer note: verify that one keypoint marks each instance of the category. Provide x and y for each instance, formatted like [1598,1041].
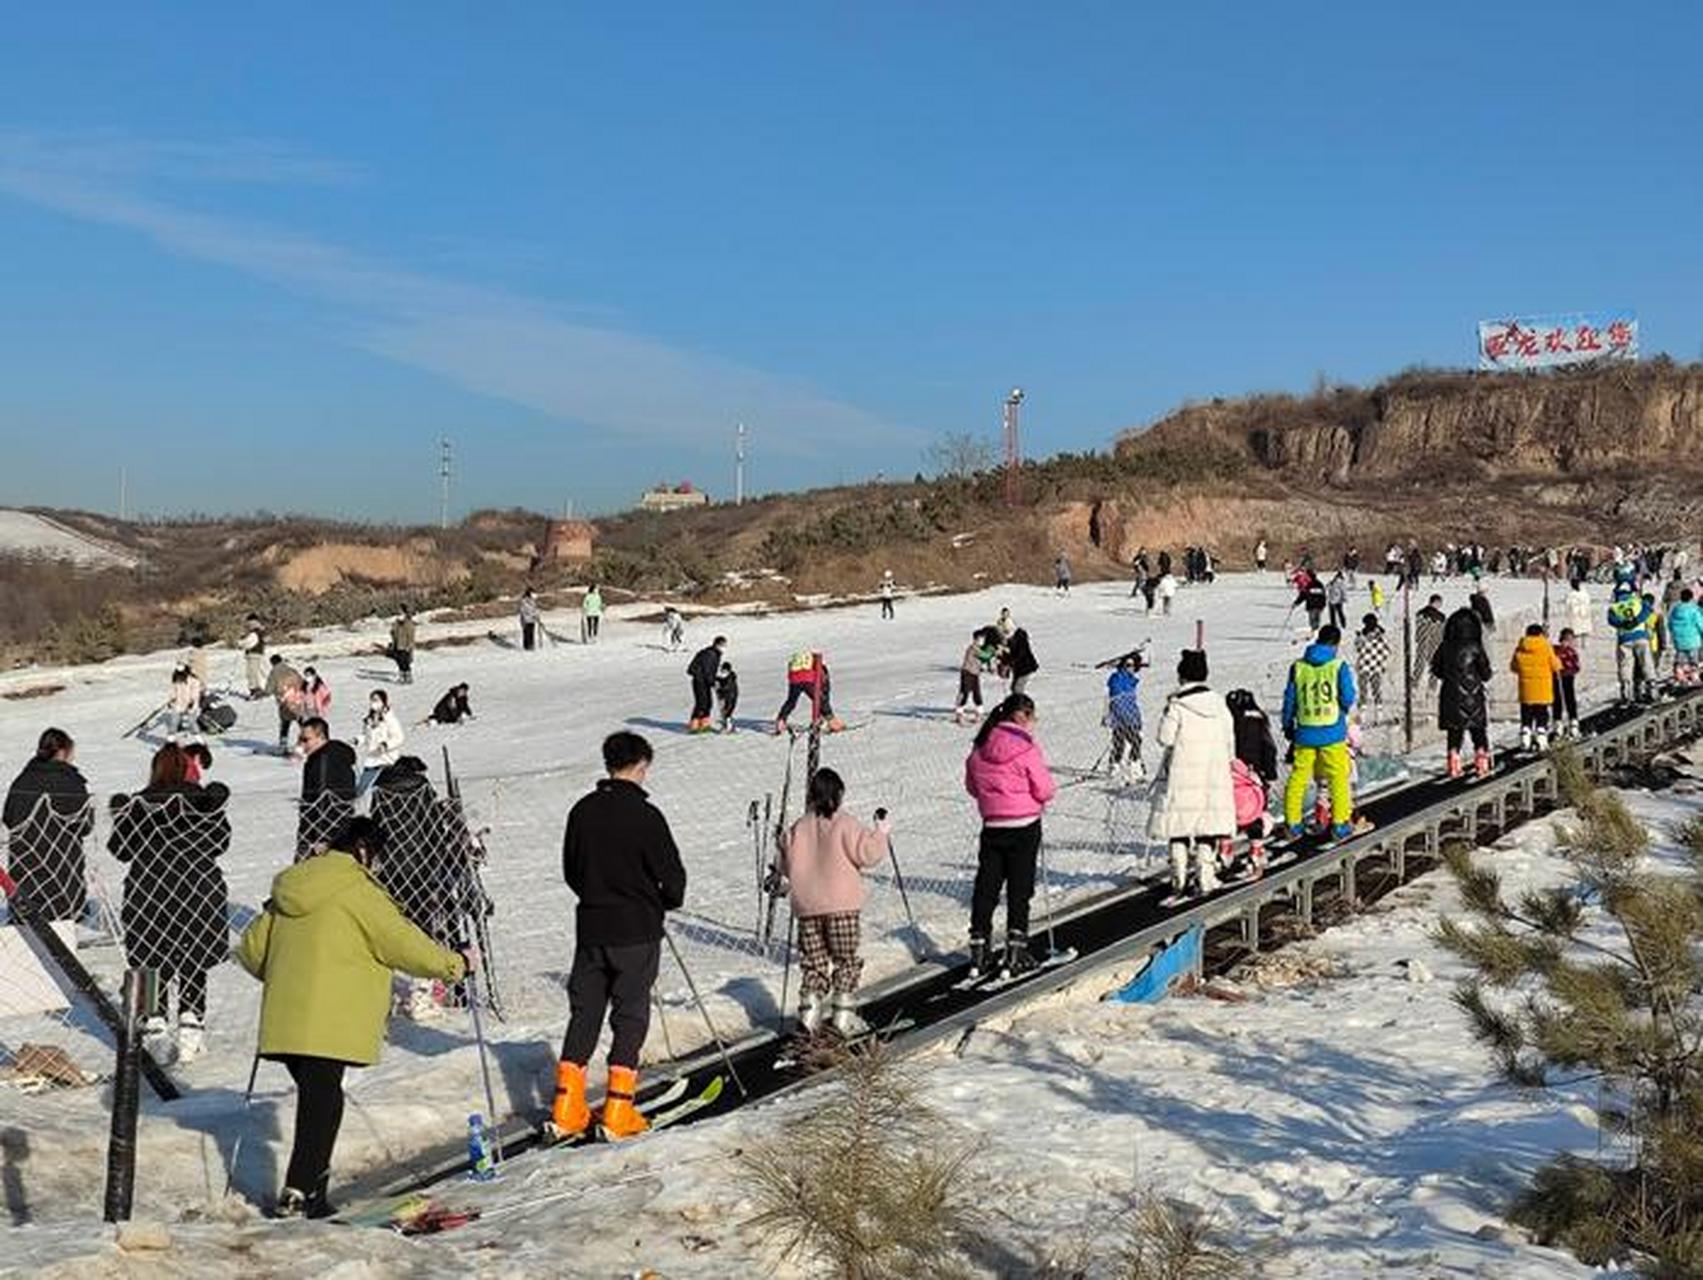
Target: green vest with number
[1316,704]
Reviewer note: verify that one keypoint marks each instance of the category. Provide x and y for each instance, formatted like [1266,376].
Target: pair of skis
[669,1107]
[798,1054]
[1000,979]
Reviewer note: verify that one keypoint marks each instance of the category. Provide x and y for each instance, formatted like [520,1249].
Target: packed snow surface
[1344,1126]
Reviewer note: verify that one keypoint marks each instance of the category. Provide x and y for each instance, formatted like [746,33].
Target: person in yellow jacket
[325,945]
[1536,663]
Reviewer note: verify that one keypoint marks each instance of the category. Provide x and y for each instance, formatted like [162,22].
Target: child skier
[1371,657]
[1123,718]
[1462,669]
[984,644]
[1629,617]
[619,858]
[1537,666]
[823,859]
[1566,694]
[727,695]
[1252,774]
[804,670]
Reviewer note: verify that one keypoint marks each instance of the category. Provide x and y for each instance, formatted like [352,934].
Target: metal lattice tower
[1013,449]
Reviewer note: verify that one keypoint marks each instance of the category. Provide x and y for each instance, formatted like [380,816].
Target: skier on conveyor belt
[1462,669]
[619,858]
[1316,703]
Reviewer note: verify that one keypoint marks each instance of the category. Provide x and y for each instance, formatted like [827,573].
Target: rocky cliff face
[1429,425]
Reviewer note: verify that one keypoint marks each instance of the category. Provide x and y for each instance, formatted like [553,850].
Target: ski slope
[534,749]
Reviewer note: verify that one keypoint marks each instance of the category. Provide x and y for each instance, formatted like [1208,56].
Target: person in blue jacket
[1316,703]
[1123,718]
[1685,632]
[1629,614]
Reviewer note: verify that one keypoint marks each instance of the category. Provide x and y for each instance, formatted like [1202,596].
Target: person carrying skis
[253,648]
[727,696]
[702,670]
[823,858]
[454,707]
[1253,773]
[47,817]
[324,947]
[1462,670]
[1123,718]
[1536,665]
[984,644]
[1685,630]
[805,670]
[1629,616]
[620,860]
[1566,711]
[1007,776]
[528,612]
[381,740]
[402,637]
[1371,657]
[1316,702]
[1196,810]
[591,614]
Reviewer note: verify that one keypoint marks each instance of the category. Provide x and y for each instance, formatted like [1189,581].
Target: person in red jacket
[1007,774]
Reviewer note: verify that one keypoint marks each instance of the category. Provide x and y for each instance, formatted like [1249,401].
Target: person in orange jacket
[1537,665]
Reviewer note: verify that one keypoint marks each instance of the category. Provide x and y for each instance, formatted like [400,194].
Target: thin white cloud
[485,340]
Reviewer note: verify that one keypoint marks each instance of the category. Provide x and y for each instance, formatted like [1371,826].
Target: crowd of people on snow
[384,891]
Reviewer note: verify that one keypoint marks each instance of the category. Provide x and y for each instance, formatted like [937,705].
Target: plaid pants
[829,939]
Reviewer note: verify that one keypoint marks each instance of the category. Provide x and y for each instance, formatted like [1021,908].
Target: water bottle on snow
[479,1150]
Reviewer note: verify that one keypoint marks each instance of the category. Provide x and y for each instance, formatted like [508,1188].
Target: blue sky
[266,260]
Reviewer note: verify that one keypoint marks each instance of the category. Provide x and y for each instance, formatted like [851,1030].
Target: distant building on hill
[681,496]
[569,540]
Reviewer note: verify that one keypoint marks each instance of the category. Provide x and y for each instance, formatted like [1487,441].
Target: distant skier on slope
[1123,718]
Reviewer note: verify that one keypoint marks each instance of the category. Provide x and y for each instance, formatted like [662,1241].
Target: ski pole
[472,983]
[247,1106]
[1047,899]
[720,1044]
[662,1021]
[899,879]
[786,966]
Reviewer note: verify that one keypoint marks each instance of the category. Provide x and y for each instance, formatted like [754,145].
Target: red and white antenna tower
[1013,451]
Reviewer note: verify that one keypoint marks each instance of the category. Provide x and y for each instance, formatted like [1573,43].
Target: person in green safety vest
[1316,703]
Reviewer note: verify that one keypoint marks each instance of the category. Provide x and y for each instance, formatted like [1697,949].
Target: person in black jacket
[47,818]
[1462,669]
[328,787]
[703,669]
[618,857]
[172,834]
[452,708]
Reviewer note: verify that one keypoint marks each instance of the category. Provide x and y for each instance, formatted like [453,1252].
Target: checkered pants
[829,940]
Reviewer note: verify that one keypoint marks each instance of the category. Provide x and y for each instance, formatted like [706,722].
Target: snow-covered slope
[22,533]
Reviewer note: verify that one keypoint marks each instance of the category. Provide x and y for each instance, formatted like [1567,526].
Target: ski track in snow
[1345,1127]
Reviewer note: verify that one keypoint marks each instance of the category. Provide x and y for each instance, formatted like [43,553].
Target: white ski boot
[1525,738]
[157,1039]
[191,1037]
[812,1012]
[1540,740]
[846,1022]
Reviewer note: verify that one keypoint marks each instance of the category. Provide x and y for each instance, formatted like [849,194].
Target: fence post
[1407,662]
[126,1097]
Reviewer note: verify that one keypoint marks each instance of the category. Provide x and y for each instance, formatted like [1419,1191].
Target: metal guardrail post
[126,1098]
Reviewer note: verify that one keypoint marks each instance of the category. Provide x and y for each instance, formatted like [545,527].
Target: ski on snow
[1000,979]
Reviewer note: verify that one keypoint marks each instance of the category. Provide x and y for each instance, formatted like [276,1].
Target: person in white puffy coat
[381,739]
[1197,805]
[1579,612]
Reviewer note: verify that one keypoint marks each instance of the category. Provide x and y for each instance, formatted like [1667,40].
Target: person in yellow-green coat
[325,945]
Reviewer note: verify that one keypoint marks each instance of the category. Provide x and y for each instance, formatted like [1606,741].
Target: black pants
[404,659]
[886,607]
[969,688]
[1006,860]
[616,981]
[191,991]
[528,634]
[702,692]
[1339,616]
[1566,698]
[1480,738]
[796,691]
[319,1115]
[1534,716]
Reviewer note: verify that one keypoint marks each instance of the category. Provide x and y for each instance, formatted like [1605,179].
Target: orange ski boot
[620,1118]
[569,1116]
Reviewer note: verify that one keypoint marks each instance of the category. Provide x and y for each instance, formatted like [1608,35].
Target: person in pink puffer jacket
[1007,774]
[823,859]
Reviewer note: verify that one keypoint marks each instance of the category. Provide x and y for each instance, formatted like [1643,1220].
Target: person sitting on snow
[452,708]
